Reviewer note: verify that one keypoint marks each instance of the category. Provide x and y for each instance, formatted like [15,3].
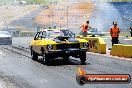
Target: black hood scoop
[62,38]
[65,38]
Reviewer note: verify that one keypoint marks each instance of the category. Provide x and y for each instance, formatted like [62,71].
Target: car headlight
[50,47]
[85,45]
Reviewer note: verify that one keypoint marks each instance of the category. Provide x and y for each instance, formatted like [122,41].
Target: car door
[39,42]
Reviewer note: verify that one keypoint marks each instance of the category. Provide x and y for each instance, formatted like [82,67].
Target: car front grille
[66,46]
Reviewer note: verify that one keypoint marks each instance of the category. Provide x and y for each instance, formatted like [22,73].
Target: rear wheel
[83,57]
[34,55]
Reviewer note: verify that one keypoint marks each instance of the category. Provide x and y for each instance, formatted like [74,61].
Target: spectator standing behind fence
[114,31]
[85,27]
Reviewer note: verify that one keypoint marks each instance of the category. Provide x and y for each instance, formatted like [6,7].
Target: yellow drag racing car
[54,43]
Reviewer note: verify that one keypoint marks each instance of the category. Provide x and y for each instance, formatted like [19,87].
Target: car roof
[4,34]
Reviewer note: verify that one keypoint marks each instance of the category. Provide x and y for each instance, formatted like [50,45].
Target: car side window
[37,35]
[72,34]
[42,35]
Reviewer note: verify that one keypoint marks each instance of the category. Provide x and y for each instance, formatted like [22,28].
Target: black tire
[45,58]
[66,59]
[34,55]
[83,57]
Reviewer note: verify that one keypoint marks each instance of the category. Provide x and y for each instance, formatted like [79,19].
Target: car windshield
[56,33]
[4,32]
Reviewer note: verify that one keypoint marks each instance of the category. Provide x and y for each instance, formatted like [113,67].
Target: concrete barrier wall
[121,50]
[25,34]
[97,44]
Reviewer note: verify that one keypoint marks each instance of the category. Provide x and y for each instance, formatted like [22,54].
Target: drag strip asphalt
[16,63]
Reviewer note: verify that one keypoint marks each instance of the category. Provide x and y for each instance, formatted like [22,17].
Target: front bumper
[66,52]
[70,50]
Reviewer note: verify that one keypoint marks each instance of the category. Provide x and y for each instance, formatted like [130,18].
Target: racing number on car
[92,44]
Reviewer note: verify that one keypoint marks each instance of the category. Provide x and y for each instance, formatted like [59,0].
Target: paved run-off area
[17,70]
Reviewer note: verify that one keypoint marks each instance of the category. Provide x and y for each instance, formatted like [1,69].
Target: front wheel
[83,57]
[34,55]
[66,58]
[45,58]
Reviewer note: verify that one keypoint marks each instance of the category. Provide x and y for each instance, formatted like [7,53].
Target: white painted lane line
[127,39]
[2,53]
[2,85]
[105,38]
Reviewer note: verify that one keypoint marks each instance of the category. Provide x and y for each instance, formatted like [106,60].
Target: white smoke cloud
[104,14]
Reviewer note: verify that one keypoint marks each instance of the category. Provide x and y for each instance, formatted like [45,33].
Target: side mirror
[36,38]
[78,36]
[93,36]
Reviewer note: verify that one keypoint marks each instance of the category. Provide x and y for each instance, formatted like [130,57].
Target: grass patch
[28,1]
